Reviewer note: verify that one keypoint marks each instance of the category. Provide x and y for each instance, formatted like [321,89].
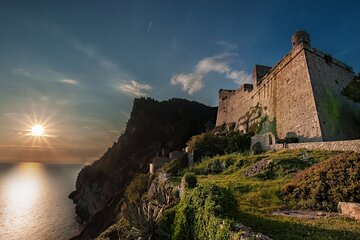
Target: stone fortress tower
[298,97]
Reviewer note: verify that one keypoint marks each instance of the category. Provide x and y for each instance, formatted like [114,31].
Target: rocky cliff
[152,127]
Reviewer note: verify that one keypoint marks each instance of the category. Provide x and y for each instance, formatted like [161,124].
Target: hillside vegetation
[262,184]
[258,183]
[224,195]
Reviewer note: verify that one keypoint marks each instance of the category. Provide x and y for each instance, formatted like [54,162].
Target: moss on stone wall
[252,118]
[330,109]
[267,126]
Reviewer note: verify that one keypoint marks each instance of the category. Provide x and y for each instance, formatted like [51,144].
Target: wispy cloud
[44,73]
[239,77]
[103,62]
[134,88]
[69,81]
[21,71]
[220,63]
[91,52]
[226,45]
[149,27]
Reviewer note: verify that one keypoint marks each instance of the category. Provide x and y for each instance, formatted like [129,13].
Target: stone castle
[300,97]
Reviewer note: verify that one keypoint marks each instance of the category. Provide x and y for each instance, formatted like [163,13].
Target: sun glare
[37,130]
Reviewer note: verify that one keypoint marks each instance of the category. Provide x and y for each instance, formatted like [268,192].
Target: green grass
[258,197]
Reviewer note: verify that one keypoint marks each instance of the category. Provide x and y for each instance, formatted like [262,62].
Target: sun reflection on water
[21,190]
[34,203]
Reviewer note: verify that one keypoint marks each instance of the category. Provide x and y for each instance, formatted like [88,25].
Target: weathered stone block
[350,209]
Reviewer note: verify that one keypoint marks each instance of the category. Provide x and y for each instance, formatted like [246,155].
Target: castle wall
[285,93]
[300,96]
[295,106]
[339,117]
[224,114]
[232,106]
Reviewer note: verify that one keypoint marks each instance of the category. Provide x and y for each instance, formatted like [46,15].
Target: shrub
[137,187]
[165,223]
[204,213]
[175,166]
[207,144]
[325,184]
[236,142]
[190,180]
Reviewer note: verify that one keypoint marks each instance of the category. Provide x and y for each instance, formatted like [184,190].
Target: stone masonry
[348,145]
[299,97]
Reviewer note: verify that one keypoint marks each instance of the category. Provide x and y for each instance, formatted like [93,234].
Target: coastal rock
[153,126]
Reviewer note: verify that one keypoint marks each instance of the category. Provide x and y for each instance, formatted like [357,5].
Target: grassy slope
[258,196]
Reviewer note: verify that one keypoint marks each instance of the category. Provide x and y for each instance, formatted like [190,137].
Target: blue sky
[76,66]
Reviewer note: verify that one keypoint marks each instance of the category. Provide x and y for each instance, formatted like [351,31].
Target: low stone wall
[264,139]
[349,145]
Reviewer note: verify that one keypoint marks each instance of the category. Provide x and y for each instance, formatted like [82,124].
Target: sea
[34,203]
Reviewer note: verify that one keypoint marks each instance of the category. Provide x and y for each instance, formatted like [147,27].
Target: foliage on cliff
[325,184]
[137,187]
[352,90]
[152,126]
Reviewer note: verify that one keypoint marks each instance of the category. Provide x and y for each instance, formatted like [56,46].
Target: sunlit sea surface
[34,202]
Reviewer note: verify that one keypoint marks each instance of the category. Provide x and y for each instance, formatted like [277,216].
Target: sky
[75,67]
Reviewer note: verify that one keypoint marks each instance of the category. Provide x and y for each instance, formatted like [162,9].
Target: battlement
[224,94]
[246,87]
[259,72]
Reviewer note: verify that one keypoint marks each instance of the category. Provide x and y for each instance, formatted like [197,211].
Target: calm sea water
[34,203]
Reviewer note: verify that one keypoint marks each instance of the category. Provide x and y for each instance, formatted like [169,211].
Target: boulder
[350,209]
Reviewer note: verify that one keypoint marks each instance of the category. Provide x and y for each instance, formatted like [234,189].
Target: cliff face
[152,126]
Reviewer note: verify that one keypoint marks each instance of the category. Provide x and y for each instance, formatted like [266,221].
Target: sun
[37,130]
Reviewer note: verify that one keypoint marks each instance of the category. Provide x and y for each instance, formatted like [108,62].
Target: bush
[175,166]
[190,180]
[137,187]
[204,213]
[236,142]
[165,223]
[207,144]
[325,184]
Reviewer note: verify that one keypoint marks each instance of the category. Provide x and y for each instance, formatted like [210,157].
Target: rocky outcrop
[350,209]
[246,233]
[152,127]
